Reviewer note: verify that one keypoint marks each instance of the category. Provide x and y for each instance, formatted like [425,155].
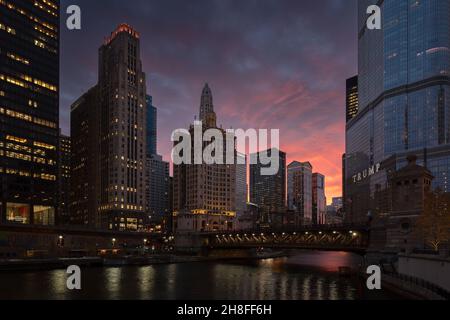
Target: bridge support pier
[190,243]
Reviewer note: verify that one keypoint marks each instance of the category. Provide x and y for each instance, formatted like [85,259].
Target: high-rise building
[157,189]
[351,98]
[115,112]
[319,199]
[299,177]
[157,175]
[268,191]
[336,203]
[29,111]
[404,100]
[204,194]
[241,184]
[169,224]
[64,165]
[152,126]
[85,175]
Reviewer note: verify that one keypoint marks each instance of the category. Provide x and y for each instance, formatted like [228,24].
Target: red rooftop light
[122,28]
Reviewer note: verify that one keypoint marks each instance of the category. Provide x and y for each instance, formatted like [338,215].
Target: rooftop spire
[206,104]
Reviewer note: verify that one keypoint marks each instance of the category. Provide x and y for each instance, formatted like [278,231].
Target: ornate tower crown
[206,104]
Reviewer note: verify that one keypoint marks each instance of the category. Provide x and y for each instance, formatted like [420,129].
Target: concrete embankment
[45,264]
[408,290]
[117,261]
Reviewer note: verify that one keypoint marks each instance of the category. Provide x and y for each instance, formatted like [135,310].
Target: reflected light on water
[58,281]
[305,276]
[113,277]
[146,276]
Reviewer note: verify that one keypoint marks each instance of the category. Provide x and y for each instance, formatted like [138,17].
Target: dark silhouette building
[64,165]
[268,192]
[152,126]
[319,200]
[85,175]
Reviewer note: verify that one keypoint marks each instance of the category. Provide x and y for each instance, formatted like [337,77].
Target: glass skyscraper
[29,111]
[404,99]
[351,98]
[151,130]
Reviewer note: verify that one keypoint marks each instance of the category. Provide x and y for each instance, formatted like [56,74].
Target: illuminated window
[44,145]
[17,58]
[7,29]
[32,103]
[43,215]
[16,139]
[18,213]
[40,6]
[26,117]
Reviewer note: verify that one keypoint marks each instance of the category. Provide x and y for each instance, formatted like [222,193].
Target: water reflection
[304,276]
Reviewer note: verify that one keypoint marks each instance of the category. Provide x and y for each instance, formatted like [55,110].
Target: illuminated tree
[433,225]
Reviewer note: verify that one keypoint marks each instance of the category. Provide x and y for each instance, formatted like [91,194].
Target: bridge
[350,238]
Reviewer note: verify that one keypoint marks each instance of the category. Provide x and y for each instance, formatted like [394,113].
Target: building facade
[268,191]
[64,171]
[29,112]
[205,194]
[351,98]
[85,176]
[241,184]
[299,177]
[116,200]
[404,101]
[157,190]
[152,126]
[319,200]
[156,177]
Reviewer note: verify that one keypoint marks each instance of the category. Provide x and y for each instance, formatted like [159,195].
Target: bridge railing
[312,228]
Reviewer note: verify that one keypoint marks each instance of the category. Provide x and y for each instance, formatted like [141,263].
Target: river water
[306,275]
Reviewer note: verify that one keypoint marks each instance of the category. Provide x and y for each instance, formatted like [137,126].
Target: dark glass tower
[268,191]
[404,100]
[351,98]
[29,111]
[64,165]
[151,126]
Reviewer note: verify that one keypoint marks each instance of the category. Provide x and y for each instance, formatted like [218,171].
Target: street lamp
[60,241]
[113,241]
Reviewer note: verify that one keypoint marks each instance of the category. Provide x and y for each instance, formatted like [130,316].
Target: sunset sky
[272,64]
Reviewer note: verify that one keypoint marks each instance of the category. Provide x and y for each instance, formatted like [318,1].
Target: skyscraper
[204,194]
[117,119]
[241,184]
[157,174]
[29,111]
[64,165]
[299,176]
[157,189]
[152,126]
[85,175]
[404,100]
[268,191]
[318,198]
[351,98]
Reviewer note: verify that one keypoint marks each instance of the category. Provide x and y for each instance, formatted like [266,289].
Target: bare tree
[433,225]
